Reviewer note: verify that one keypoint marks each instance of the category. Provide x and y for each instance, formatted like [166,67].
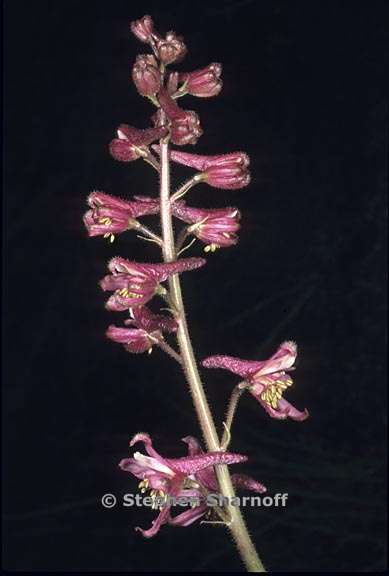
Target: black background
[304,96]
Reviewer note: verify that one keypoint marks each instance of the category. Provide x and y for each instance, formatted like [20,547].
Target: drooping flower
[268,379]
[174,478]
[143,28]
[184,124]
[146,75]
[216,227]
[132,143]
[110,215]
[135,284]
[204,83]
[225,171]
[146,330]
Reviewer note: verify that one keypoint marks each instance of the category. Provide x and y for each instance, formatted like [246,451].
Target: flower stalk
[236,525]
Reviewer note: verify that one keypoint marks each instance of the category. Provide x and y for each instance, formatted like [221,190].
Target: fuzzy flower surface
[110,215]
[146,329]
[190,476]
[134,284]
[203,83]
[217,227]
[131,143]
[224,171]
[268,379]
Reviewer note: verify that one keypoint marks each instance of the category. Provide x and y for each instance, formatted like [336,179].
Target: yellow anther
[211,247]
[112,238]
[107,234]
[133,295]
[143,485]
[106,221]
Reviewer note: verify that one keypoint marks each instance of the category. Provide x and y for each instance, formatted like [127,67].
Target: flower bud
[204,82]
[185,124]
[146,75]
[172,82]
[202,162]
[227,177]
[132,143]
[169,49]
[216,227]
[143,28]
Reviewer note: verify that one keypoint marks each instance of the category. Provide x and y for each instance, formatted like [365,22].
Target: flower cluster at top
[133,285]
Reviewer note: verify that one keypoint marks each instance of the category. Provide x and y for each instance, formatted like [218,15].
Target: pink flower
[185,124]
[143,28]
[110,215]
[204,82]
[146,75]
[225,171]
[135,284]
[175,478]
[268,379]
[208,478]
[170,49]
[201,162]
[216,227]
[147,330]
[132,143]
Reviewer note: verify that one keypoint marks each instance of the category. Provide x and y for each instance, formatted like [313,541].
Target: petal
[201,162]
[193,445]
[283,359]
[189,516]
[206,477]
[193,464]
[287,408]
[144,318]
[148,444]
[152,463]
[244,368]
[246,483]
[161,519]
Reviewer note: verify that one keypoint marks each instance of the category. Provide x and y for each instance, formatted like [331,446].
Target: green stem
[232,406]
[236,525]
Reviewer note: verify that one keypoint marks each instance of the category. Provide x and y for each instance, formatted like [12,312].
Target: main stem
[237,525]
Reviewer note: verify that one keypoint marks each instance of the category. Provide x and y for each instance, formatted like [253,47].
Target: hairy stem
[232,406]
[169,350]
[236,525]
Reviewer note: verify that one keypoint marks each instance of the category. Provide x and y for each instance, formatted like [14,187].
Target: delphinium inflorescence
[134,286]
